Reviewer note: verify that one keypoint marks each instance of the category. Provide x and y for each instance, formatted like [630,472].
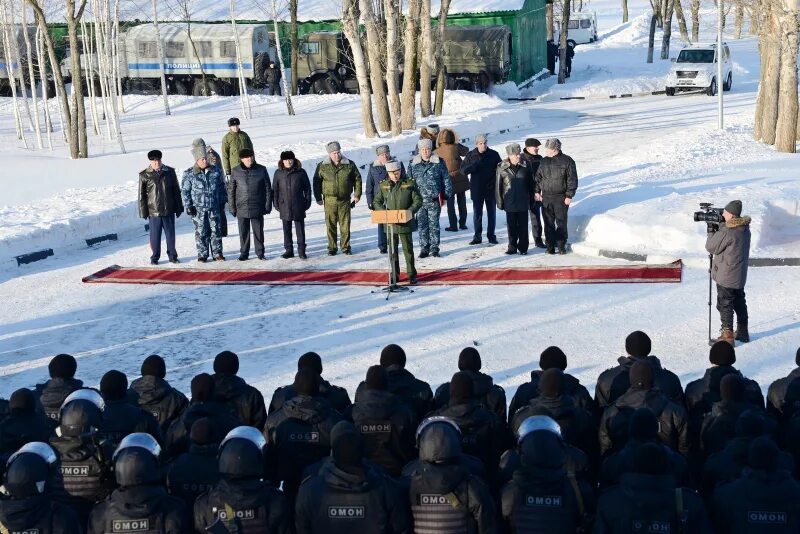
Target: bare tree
[549,19]
[426,59]
[41,61]
[392,10]
[9,34]
[667,35]
[184,9]
[695,7]
[350,17]
[624,11]
[160,54]
[276,11]
[409,115]
[31,76]
[766,118]
[786,127]
[243,96]
[681,20]
[441,75]
[374,47]
[562,42]
[293,41]
[651,42]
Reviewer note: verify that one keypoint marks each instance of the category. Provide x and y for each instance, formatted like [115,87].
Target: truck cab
[582,28]
[696,68]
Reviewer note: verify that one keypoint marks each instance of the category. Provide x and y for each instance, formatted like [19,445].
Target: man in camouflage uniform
[214,160]
[433,181]
[232,143]
[397,193]
[335,180]
[203,192]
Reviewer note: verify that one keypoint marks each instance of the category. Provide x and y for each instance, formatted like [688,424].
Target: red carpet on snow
[601,274]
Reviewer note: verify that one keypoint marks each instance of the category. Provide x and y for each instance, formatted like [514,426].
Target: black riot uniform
[348,495]
[444,495]
[241,503]
[485,391]
[195,472]
[140,504]
[336,396]
[52,393]
[246,401]
[154,395]
[29,508]
[84,460]
[120,417]
[23,424]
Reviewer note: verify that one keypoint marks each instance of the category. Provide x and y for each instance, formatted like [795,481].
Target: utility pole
[720,61]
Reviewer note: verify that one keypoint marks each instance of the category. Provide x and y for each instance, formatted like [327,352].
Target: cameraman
[730,245]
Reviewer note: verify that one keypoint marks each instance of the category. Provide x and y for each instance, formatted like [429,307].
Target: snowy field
[644,165]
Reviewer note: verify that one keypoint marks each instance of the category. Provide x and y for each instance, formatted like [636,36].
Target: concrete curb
[588,250]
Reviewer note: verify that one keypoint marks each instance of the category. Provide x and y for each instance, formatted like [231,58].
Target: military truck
[474,57]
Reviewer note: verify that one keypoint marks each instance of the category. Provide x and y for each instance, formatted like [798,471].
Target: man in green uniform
[233,142]
[336,180]
[398,193]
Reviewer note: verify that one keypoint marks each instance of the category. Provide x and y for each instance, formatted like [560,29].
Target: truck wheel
[728,82]
[572,43]
[182,88]
[331,85]
[670,91]
[712,89]
[318,87]
[221,88]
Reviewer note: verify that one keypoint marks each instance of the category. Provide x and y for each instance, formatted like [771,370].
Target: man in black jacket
[273,79]
[291,196]
[154,395]
[120,417]
[481,167]
[335,395]
[556,184]
[533,159]
[348,495]
[246,401]
[489,394]
[160,203]
[62,382]
[23,424]
[385,423]
[196,471]
[250,198]
[514,193]
[552,358]
[140,503]
[444,495]
[612,383]
[411,390]
[783,397]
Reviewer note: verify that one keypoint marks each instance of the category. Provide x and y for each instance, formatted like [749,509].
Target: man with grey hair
[514,192]
[377,173]
[481,167]
[556,184]
[435,186]
[204,194]
[337,181]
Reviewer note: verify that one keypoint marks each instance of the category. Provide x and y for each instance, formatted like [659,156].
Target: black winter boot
[741,333]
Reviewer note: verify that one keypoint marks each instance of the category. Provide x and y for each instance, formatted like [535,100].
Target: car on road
[696,68]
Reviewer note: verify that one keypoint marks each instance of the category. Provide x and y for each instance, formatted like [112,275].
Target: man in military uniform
[203,191]
[233,142]
[336,180]
[433,182]
[400,194]
[376,174]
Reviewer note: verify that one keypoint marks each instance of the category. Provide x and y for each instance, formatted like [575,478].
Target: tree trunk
[375,65]
[426,59]
[203,77]
[652,38]
[287,90]
[115,49]
[16,56]
[9,35]
[667,30]
[243,96]
[786,129]
[769,87]
[293,40]
[350,19]
[549,20]
[624,11]
[739,19]
[562,43]
[440,68]
[160,54]
[89,77]
[41,60]
[391,9]
[695,5]
[79,145]
[681,21]
[409,114]
[32,77]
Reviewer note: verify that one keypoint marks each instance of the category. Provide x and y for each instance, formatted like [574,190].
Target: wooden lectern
[391,216]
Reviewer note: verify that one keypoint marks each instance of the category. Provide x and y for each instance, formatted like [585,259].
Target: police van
[582,28]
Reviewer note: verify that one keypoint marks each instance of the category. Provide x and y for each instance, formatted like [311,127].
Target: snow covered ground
[644,165]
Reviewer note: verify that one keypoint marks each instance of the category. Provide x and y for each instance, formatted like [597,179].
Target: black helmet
[28,470]
[136,460]
[535,423]
[81,413]
[241,453]
[438,440]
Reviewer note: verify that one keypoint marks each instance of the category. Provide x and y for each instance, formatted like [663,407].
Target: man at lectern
[398,193]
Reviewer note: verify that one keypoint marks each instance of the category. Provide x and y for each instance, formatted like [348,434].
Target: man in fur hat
[203,192]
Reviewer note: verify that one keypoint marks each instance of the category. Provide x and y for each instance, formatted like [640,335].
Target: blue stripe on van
[188,66]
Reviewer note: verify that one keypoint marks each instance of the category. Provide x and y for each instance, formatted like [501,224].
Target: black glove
[352,204]
[178,214]
[191,211]
[370,206]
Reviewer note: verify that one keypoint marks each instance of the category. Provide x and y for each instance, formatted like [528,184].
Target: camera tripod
[711,340]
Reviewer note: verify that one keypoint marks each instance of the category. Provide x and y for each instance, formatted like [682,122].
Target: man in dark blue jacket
[377,173]
[480,165]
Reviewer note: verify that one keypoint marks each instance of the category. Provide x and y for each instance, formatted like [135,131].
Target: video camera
[711,216]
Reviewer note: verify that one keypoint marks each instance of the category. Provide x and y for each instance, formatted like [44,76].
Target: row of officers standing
[443,170]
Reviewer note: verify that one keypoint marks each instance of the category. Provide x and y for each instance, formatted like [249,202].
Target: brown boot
[742,334]
[726,334]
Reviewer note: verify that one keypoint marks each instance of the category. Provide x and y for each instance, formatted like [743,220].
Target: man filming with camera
[730,245]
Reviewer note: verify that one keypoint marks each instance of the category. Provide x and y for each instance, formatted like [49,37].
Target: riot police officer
[242,502]
[141,503]
[195,472]
[29,507]
[62,382]
[23,424]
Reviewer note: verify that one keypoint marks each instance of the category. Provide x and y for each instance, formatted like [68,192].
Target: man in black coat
[615,423]
[250,198]
[291,196]
[376,174]
[62,382]
[348,495]
[273,79]
[246,401]
[489,394]
[765,498]
[650,497]
[411,390]
[160,203]
[196,471]
[299,433]
[783,397]
[385,423]
[23,424]
[514,191]
[444,495]
[719,425]
[481,166]
[335,395]
[533,159]
[612,383]
[120,417]
[541,497]
[154,395]
[552,358]
[556,184]
[203,405]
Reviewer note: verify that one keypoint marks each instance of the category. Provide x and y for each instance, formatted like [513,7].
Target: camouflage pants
[428,225]
[207,233]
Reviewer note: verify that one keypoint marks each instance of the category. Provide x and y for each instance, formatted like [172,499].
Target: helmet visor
[42,450]
[436,419]
[88,395]
[140,440]
[537,422]
[249,433]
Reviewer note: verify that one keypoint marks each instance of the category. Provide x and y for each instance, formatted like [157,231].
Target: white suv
[696,68]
